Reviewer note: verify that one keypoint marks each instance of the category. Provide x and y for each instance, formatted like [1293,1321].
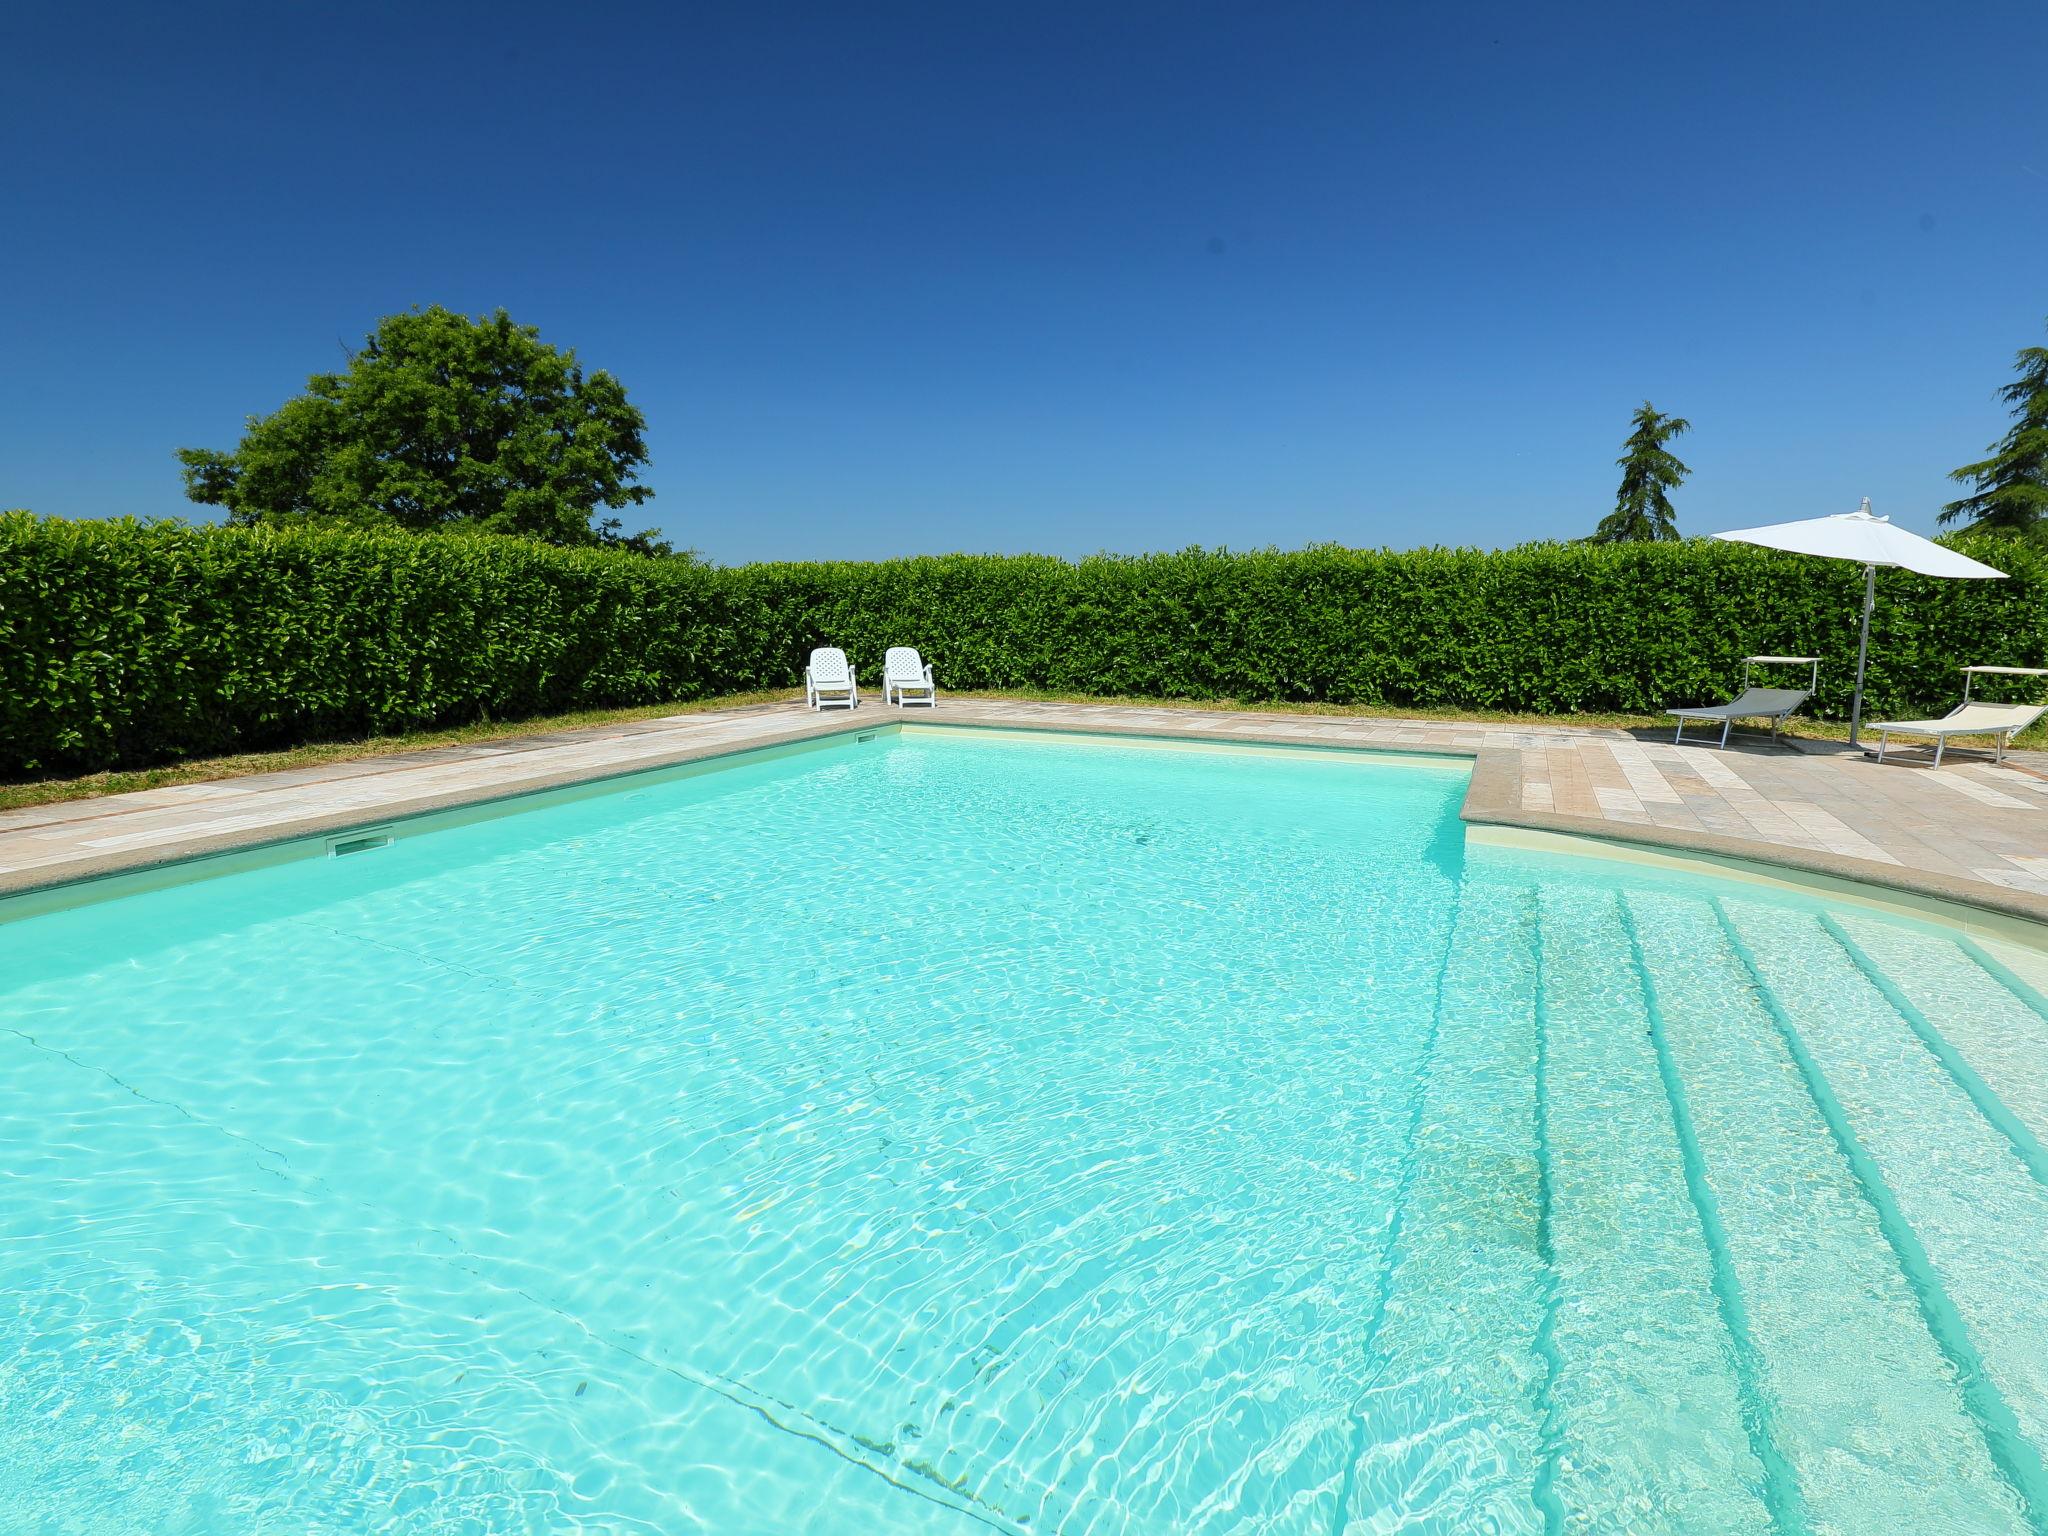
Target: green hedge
[125,643]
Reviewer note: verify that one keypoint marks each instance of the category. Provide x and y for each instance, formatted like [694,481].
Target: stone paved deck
[1970,830]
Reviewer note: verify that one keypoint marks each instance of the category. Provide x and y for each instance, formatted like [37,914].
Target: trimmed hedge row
[126,643]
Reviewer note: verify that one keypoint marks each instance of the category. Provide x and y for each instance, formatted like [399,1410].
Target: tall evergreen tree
[1649,473]
[2010,492]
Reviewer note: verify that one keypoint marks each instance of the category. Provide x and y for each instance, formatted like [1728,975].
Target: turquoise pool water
[967,1133]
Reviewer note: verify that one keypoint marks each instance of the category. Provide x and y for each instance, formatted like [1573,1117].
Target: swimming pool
[956,1131]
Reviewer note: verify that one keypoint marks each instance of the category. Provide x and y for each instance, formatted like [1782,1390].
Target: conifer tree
[2010,492]
[1649,473]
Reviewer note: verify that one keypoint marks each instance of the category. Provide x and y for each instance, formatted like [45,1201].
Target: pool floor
[948,1134]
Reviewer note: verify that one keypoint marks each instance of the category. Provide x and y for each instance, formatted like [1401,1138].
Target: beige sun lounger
[1772,704]
[2001,722]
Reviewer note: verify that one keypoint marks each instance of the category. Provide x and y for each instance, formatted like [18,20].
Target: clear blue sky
[1007,276]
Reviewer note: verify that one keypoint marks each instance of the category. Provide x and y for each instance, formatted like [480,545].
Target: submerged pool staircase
[1823,1240]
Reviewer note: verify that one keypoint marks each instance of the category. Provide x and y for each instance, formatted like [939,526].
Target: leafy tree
[2011,487]
[1649,472]
[442,422]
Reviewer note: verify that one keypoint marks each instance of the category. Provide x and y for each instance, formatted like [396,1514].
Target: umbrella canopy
[1865,539]
[1870,542]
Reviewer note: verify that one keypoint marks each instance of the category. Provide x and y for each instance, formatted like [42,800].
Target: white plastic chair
[829,682]
[907,678]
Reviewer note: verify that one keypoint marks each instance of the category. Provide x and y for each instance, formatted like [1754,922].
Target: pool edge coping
[1493,799]
[90,868]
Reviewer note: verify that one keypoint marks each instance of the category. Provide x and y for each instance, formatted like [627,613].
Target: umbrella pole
[1863,650]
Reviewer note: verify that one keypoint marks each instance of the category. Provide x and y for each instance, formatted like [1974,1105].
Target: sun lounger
[2001,722]
[907,678]
[1772,704]
[829,682]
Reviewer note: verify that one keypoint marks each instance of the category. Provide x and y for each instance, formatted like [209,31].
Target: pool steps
[2025,1145]
[1551,1450]
[1762,1334]
[1374,1361]
[1775,1484]
[1849,1034]
[1614,1168]
[1471,1233]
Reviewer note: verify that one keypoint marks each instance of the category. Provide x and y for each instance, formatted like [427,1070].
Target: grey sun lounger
[1772,704]
[2001,722]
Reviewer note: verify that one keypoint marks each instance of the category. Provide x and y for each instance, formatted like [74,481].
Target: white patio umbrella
[1871,542]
